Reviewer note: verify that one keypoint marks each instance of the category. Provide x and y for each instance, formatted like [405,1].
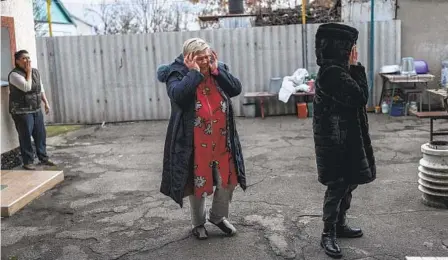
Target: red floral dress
[210,141]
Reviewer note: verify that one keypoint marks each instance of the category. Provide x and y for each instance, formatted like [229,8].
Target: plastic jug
[413,107]
[385,108]
[408,66]
[444,74]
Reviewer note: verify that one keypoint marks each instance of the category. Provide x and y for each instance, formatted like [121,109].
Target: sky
[79,8]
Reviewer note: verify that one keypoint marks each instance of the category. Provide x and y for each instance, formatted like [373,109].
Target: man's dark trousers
[27,125]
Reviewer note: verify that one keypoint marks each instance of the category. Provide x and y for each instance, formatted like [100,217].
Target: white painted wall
[425,34]
[359,10]
[22,12]
[59,30]
[84,29]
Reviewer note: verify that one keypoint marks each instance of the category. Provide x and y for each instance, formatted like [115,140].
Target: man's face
[24,58]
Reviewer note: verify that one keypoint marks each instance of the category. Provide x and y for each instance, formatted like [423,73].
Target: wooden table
[400,79]
[442,93]
[261,96]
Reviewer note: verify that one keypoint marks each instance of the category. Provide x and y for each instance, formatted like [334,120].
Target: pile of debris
[315,13]
[11,159]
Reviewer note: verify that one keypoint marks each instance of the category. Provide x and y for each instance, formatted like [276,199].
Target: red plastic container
[302,110]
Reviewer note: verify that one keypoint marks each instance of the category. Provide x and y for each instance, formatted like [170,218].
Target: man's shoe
[48,163]
[329,243]
[345,231]
[29,167]
[200,232]
[225,227]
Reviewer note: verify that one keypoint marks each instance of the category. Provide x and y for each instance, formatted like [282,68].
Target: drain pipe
[372,50]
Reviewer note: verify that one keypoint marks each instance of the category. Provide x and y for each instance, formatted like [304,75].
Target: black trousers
[337,201]
[27,125]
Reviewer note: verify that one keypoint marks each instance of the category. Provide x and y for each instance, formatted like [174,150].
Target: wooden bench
[433,115]
[261,96]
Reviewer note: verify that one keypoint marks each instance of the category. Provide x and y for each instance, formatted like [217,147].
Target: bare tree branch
[106,13]
[160,15]
[141,16]
[39,12]
[143,8]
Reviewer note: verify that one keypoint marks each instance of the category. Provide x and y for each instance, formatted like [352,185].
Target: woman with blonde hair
[202,147]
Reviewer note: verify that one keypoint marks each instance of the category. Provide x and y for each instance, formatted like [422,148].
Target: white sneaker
[226,227]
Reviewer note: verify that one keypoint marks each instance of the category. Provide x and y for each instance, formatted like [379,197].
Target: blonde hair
[194,45]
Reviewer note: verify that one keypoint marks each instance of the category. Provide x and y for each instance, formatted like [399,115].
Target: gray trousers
[219,210]
[337,201]
[220,205]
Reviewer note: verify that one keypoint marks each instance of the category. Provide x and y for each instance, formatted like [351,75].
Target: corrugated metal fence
[91,79]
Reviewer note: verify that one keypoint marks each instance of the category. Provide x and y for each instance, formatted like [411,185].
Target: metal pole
[372,50]
[304,34]
[303,11]
[49,17]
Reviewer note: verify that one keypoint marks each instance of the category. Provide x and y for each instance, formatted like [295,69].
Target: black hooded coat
[340,124]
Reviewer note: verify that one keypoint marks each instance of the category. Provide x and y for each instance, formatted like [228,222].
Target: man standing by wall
[25,98]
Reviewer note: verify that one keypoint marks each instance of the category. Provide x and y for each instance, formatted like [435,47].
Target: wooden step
[20,187]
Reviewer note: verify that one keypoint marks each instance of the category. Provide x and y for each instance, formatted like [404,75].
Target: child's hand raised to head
[354,56]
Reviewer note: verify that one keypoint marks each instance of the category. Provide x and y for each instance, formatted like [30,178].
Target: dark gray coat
[340,124]
[178,160]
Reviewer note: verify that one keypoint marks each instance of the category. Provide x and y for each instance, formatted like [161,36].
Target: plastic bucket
[310,109]
[249,109]
[275,85]
[302,110]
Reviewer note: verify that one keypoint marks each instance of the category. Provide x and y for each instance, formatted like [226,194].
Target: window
[8,47]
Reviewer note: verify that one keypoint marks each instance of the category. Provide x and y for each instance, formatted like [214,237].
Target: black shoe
[200,232]
[225,227]
[329,243]
[29,167]
[344,231]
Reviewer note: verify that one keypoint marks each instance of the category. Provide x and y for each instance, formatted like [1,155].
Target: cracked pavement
[110,207]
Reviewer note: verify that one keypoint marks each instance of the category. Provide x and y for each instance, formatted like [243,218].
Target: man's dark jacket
[340,124]
[178,160]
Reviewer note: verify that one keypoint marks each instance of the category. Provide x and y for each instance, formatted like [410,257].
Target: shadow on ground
[109,206]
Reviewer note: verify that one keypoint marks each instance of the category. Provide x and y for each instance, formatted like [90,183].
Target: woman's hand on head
[190,62]
[214,62]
